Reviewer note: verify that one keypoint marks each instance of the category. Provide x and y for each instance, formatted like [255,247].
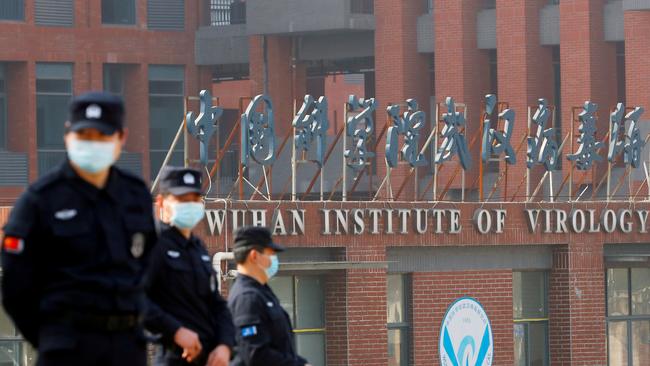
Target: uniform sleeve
[223,321]
[21,293]
[156,319]
[254,334]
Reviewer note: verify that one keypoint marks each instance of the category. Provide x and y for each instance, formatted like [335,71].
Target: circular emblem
[466,335]
[137,245]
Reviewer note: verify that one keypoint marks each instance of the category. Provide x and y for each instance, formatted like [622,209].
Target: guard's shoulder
[130,177]
[48,180]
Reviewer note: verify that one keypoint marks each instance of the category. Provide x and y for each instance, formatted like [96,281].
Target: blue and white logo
[466,335]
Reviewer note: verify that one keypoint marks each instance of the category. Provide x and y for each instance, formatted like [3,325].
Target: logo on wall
[466,335]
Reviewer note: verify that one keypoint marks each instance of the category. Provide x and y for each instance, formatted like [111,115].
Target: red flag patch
[11,244]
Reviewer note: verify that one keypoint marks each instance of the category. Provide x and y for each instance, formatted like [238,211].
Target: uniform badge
[14,245]
[248,331]
[173,254]
[137,245]
[93,111]
[189,179]
[66,214]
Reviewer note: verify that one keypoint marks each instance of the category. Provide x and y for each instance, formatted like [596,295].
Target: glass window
[529,306]
[617,343]
[114,78]
[640,295]
[53,94]
[397,319]
[303,299]
[3,110]
[628,331]
[166,112]
[617,291]
[12,10]
[118,11]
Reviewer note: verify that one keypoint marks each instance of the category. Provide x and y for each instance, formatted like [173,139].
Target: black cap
[100,110]
[255,235]
[178,181]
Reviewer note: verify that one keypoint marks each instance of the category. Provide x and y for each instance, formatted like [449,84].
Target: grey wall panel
[221,45]
[58,13]
[443,259]
[295,16]
[426,35]
[486,29]
[336,46]
[614,21]
[549,25]
[636,4]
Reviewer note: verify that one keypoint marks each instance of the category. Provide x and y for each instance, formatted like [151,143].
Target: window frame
[628,319]
[526,322]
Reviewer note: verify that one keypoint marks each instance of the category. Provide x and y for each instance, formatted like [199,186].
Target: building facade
[558,258]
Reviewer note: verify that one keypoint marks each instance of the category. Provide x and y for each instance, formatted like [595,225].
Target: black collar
[90,191]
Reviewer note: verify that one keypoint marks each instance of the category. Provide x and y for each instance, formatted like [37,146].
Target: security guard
[76,246]
[193,319]
[263,328]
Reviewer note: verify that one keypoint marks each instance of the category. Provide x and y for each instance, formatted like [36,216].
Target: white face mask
[186,215]
[91,156]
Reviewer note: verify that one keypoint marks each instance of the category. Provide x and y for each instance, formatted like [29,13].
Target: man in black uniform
[187,311]
[263,328]
[75,248]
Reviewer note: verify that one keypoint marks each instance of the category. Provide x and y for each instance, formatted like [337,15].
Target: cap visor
[177,191]
[104,128]
[277,247]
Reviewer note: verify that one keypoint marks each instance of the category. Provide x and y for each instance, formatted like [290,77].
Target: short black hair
[241,253]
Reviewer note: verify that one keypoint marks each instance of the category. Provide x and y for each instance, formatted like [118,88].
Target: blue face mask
[185,215]
[273,269]
[91,156]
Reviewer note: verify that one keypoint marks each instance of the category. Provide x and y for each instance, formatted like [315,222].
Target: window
[54,13]
[489,4]
[166,92]
[398,320]
[118,11]
[362,6]
[3,109]
[53,94]
[428,6]
[303,299]
[13,350]
[530,312]
[628,316]
[12,10]
[226,12]
[166,14]
[620,71]
[114,78]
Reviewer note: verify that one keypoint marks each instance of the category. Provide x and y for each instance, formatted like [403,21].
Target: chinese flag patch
[11,244]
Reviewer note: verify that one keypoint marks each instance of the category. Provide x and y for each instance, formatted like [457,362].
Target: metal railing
[362,6]
[227,12]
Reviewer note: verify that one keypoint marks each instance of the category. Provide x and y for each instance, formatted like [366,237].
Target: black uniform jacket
[71,248]
[263,328]
[183,289]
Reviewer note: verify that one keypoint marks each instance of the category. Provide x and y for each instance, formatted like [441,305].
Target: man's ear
[124,135]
